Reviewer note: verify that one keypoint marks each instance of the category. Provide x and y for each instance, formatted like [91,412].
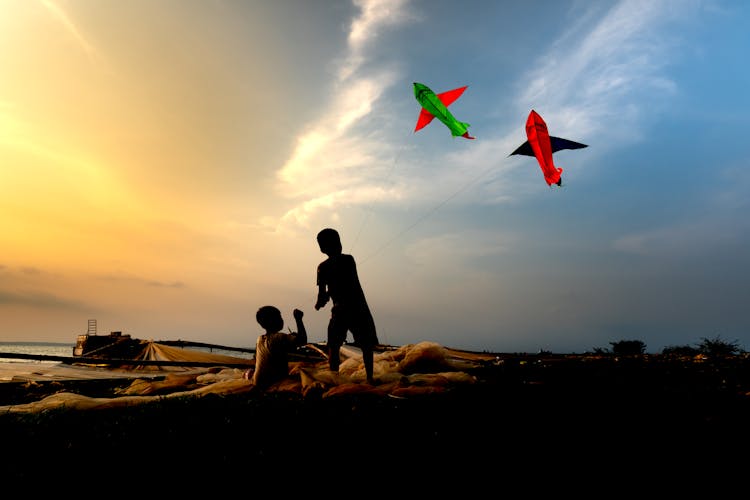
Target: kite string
[368,209]
[427,214]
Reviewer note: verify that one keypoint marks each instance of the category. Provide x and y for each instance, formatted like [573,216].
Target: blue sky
[229,133]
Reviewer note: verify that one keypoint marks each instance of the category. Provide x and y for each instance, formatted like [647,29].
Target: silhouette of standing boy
[338,280]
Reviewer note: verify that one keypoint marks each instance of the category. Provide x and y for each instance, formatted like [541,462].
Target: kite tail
[555,178]
[466,128]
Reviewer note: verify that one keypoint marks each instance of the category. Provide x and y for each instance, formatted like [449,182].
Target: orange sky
[134,178]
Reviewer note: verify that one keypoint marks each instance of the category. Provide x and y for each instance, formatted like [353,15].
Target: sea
[66,350]
[34,348]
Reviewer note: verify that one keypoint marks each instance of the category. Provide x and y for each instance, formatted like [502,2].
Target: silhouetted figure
[338,280]
[272,348]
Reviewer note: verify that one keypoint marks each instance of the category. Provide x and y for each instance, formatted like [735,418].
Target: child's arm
[322,297]
[301,331]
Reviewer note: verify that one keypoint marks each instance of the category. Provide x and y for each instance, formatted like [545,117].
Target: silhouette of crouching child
[273,347]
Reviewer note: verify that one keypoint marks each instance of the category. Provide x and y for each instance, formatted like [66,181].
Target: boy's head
[269,317]
[329,241]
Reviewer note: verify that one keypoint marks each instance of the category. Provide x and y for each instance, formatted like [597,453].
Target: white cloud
[583,82]
[70,27]
[458,248]
[374,16]
[700,237]
[325,169]
[601,78]
[596,80]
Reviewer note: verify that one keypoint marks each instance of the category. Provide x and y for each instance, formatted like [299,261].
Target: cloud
[41,300]
[71,28]
[375,15]
[330,166]
[700,237]
[139,281]
[583,82]
[161,284]
[467,246]
[600,78]
[603,77]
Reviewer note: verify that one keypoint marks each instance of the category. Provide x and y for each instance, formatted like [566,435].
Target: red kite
[542,145]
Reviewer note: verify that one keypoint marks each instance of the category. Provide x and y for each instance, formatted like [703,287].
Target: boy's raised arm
[301,331]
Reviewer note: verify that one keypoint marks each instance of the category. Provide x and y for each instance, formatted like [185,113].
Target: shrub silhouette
[718,347]
[715,347]
[681,350]
[628,347]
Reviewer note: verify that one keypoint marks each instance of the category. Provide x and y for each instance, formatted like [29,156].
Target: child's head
[269,317]
[329,241]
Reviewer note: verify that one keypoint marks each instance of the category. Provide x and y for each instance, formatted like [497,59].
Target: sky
[165,166]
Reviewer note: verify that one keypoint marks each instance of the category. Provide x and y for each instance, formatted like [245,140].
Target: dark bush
[680,350]
[718,347]
[628,347]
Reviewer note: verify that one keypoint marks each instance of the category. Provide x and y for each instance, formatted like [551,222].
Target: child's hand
[298,314]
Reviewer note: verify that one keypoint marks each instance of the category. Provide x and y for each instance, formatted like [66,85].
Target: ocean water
[43,348]
[66,349]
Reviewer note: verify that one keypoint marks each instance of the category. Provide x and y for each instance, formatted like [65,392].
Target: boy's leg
[363,330]
[368,359]
[334,359]
[336,337]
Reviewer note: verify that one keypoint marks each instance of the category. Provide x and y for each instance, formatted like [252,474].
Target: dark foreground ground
[587,419]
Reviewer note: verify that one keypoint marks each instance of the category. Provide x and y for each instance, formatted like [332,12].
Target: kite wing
[425,117]
[450,96]
[523,149]
[436,105]
[557,144]
[447,98]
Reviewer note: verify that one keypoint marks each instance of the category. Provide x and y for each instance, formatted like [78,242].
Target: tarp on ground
[154,351]
[407,371]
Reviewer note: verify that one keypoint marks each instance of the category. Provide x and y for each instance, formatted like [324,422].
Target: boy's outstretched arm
[322,297]
[301,331]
